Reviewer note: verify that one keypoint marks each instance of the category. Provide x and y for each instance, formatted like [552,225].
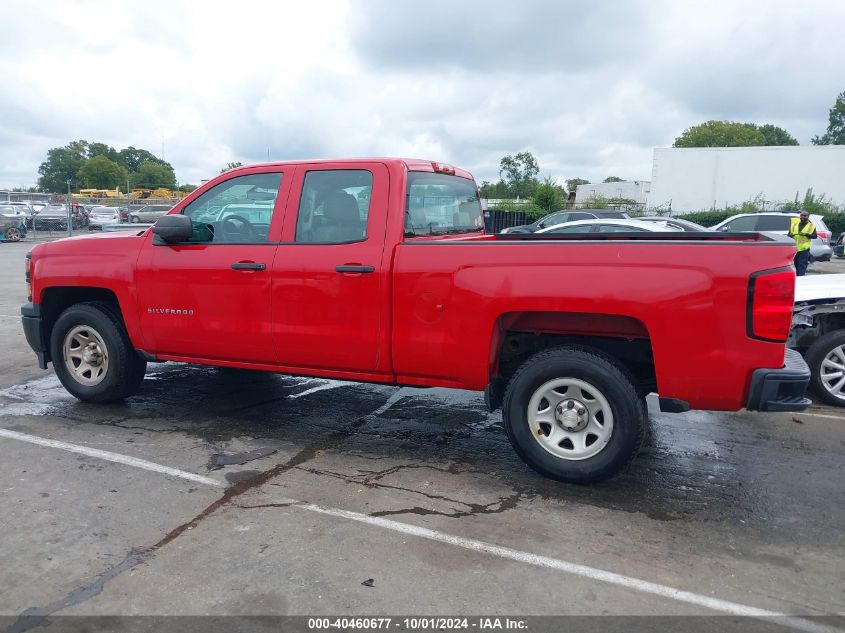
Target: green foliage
[573,183]
[613,179]
[708,218]
[187,188]
[811,203]
[835,134]
[774,135]
[62,164]
[101,149]
[520,173]
[497,191]
[101,173]
[836,223]
[720,134]
[597,201]
[534,212]
[151,175]
[548,195]
[231,165]
[132,157]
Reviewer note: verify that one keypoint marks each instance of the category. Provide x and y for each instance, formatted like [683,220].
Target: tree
[101,149]
[613,179]
[61,165]
[151,175]
[520,173]
[101,173]
[721,134]
[187,188]
[774,135]
[835,134]
[231,166]
[548,195]
[132,157]
[572,183]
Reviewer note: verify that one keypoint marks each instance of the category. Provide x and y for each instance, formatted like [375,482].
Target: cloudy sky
[589,87]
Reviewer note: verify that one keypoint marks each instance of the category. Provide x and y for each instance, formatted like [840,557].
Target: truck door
[329,309]
[210,297]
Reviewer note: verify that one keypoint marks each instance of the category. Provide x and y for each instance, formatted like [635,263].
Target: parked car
[818,332]
[53,217]
[674,224]
[559,217]
[102,215]
[778,222]
[149,213]
[839,246]
[12,229]
[602,225]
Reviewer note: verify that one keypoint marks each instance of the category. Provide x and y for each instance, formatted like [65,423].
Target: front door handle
[248,266]
[354,268]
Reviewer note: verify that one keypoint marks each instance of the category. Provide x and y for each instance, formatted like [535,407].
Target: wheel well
[521,335]
[803,337]
[56,300]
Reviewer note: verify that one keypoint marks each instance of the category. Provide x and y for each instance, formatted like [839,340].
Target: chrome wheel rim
[570,418]
[13,235]
[832,372]
[86,355]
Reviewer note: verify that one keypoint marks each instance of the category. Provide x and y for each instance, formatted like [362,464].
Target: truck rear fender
[518,335]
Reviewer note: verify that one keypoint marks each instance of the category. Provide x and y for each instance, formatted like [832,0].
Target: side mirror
[173,228]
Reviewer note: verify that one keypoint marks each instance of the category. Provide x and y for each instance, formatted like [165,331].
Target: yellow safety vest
[802,240]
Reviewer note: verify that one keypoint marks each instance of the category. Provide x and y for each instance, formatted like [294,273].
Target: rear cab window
[441,204]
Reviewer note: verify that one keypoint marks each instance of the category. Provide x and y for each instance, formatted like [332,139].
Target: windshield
[437,204]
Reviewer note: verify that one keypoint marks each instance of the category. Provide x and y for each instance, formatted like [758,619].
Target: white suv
[778,222]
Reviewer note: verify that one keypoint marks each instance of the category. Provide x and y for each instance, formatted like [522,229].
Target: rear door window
[744,223]
[773,223]
[334,206]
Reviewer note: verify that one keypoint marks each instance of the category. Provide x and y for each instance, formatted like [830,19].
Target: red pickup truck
[379,270]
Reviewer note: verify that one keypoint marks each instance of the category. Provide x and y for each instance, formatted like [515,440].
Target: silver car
[602,225]
[149,213]
[778,222]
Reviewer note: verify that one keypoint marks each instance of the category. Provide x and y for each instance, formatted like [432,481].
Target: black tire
[13,234]
[614,384]
[815,355]
[134,219]
[125,371]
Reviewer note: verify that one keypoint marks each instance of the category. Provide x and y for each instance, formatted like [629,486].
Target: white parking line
[111,457]
[575,569]
[820,415]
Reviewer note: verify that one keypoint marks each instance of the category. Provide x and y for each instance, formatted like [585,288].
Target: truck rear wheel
[92,355]
[573,414]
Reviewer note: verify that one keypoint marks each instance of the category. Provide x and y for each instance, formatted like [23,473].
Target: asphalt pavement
[224,492]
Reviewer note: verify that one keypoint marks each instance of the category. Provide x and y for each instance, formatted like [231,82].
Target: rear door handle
[248,266]
[350,268]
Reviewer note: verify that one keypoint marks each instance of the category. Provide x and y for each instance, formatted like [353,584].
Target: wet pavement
[307,483]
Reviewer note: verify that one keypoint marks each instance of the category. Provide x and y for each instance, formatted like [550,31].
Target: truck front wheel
[573,414]
[92,355]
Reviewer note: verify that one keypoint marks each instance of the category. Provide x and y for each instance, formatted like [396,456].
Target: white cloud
[589,88]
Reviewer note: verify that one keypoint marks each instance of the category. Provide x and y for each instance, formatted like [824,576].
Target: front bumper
[780,389]
[33,329]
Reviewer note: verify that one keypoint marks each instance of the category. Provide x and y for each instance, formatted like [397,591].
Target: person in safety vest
[802,231]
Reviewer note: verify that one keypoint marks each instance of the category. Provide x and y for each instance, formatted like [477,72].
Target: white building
[636,190]
[697,179]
